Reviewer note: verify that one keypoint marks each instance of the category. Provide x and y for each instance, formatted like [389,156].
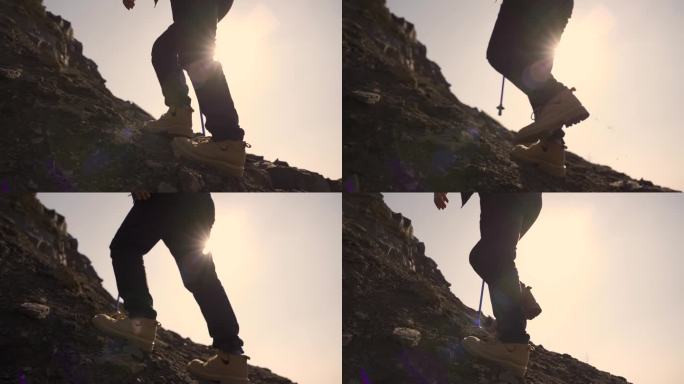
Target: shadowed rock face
[405,131]
[403,325]
[63,130]
[48,294]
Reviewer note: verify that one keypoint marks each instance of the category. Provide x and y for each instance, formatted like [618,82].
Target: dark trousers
[183,222]
[522,44]
[504,219]
[188,44]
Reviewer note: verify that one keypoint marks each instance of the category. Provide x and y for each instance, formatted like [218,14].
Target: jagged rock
[421,137]
[405,287]
[11,74]
[35,310]
[369,98]
[190,180]
[284,178]
[408,336]
[63,346]
[92,139]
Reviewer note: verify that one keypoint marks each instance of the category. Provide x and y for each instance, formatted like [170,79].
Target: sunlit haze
[278,257]
[282,60]
[624,58]
[606,269]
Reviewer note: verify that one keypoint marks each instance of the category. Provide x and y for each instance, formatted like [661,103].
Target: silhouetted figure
[522,49]
[188,44]
[504,219]
[183,222]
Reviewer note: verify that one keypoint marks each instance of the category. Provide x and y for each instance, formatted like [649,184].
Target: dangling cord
[118,296]
[479,308]
[501,107]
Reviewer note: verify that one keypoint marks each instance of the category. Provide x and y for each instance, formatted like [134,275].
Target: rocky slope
[405,131]
[63,129]
[402,324]
[48,294]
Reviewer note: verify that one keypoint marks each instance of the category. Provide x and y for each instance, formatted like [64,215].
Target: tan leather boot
[548,154]
[228,156]
[563,110]
[511,356]
[531,307]
[223,367]
[140,332]
[176,122]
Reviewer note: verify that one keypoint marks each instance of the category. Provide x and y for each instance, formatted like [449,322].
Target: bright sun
[583,51]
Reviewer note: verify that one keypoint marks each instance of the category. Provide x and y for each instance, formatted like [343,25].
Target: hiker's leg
[493,258]
[507,46]
[522,46]
[532,207]
[139,232]
[188,231]
[199,23]
[168,69]
[548,20]
[552,18]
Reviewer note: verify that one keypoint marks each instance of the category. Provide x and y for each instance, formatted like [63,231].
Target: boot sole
[548,168]
[225,169]
[514,368]
[170,131]
[534,132]
[212,380]
[138,342]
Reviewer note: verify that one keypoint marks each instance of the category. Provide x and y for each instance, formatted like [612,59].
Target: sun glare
[585,50]
[208,246]
[249,36]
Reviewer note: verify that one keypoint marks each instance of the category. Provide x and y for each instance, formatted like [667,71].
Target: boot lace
[119,316]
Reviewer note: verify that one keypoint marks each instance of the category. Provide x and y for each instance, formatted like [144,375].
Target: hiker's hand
[441,200]
[141,196]
[129,4]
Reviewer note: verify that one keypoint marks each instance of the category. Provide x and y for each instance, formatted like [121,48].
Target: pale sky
[282,59]
[278,257]
[624,58]
[606,269]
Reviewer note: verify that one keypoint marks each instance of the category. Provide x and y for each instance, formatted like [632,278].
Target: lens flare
[208,246]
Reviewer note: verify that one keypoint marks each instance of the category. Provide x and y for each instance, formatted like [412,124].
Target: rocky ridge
[63,130]
[404,130]
[48,294]
[402,324]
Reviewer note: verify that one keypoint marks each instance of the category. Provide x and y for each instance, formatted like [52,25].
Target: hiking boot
[224,367]
[548,154]
[509,355]
[563,110]
[531,308]
[139,331]
[228,156]
[177,121]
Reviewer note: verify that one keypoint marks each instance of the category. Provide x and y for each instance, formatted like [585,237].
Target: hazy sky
[624,58]
[283,61]
[606,269]
[278,257]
